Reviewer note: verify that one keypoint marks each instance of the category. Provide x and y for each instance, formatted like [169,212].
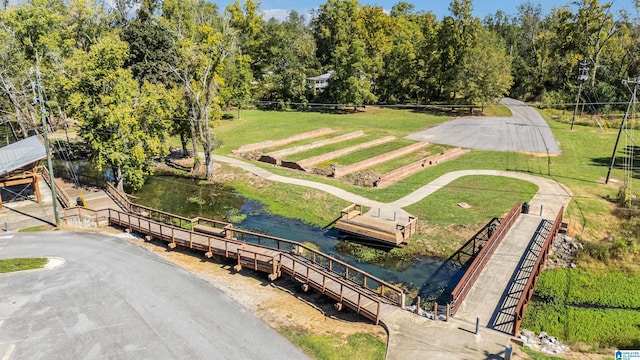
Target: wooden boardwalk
[350,287]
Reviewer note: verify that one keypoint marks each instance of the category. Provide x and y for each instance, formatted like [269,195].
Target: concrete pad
[524,131]
[415,337]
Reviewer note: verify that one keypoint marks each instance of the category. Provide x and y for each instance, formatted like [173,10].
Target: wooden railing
[409,229]
[471,275]
[529,288]
[319,279]
[259,257]
[62,196]
[392,293]
[387,291]
[351,211]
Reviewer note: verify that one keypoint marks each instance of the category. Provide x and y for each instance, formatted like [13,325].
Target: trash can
[525,208]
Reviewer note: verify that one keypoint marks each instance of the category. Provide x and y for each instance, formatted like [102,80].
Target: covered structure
[19,163]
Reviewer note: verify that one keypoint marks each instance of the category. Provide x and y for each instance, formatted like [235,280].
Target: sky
[280,8]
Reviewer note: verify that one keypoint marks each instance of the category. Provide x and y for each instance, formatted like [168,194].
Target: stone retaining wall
[312,161]
[408,170]
[371,162]
[285,141]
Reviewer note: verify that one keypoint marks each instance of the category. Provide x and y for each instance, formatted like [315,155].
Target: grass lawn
[593,309]
[331,147]
[368,153]
[397,163]
[256,126]
[19,264]
[332,347]
[582,165]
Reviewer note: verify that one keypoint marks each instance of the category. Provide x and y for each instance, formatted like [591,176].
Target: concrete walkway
[550,197]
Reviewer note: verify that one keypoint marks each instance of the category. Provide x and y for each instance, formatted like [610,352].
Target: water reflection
[432,278]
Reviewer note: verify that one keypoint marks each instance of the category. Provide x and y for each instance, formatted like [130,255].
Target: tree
[487,70]
[341,46]
[289,53]
[456,36]
[205,46]
[124,126]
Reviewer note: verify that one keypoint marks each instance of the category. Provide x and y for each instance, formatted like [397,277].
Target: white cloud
[278,14]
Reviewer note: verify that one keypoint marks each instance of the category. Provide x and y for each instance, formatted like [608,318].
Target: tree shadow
[629,159]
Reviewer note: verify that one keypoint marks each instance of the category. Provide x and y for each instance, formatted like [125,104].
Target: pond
[431,278]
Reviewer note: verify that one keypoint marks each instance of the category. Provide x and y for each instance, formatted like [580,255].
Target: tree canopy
[132,71]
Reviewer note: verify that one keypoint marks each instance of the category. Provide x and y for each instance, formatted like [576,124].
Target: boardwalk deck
[373,229]
[348,286]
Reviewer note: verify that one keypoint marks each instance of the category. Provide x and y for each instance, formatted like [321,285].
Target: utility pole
[584,76]
[635,82]
[46,146]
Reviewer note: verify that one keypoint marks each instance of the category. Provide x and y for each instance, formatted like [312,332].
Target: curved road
[112,299]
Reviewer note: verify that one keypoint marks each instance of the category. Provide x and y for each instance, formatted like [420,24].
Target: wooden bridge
[349,286]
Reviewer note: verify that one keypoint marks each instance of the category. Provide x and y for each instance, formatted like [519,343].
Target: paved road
[112,299]
[524,131]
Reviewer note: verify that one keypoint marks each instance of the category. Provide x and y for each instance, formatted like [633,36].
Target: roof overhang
[20,154]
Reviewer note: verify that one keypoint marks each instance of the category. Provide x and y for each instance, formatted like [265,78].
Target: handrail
[118,197]
[529,288]
[61,194]
[357,305]
[316,255]
[471,275]
[296,247]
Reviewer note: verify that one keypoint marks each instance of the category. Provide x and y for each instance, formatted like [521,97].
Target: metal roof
[21,153]
[325,76]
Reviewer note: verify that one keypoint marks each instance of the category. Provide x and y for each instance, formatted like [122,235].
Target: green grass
[497,111]
[595,309]
[332,347]
[331,147]
[35,228]
[536,355]
[397,163]
[613,289]
[302,142]
[19,264]
[257,126]
[373,151]
[488,196]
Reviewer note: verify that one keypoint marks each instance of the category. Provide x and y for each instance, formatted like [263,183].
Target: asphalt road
[524,131]
[114,300]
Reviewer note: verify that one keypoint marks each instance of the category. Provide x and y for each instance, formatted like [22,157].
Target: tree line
[134,72]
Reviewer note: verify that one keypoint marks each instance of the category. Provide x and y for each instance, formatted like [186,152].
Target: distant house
[319,82]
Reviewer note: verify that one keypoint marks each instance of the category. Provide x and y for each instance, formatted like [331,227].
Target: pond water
[432,278]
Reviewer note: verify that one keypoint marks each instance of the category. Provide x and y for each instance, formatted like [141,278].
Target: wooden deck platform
[376,230]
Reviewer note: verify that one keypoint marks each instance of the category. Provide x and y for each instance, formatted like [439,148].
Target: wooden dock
[350,287]
[376,230]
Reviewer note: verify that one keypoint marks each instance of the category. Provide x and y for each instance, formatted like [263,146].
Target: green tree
[341,47]
[123,125]
[455,38]
[289,53]
[487,70]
